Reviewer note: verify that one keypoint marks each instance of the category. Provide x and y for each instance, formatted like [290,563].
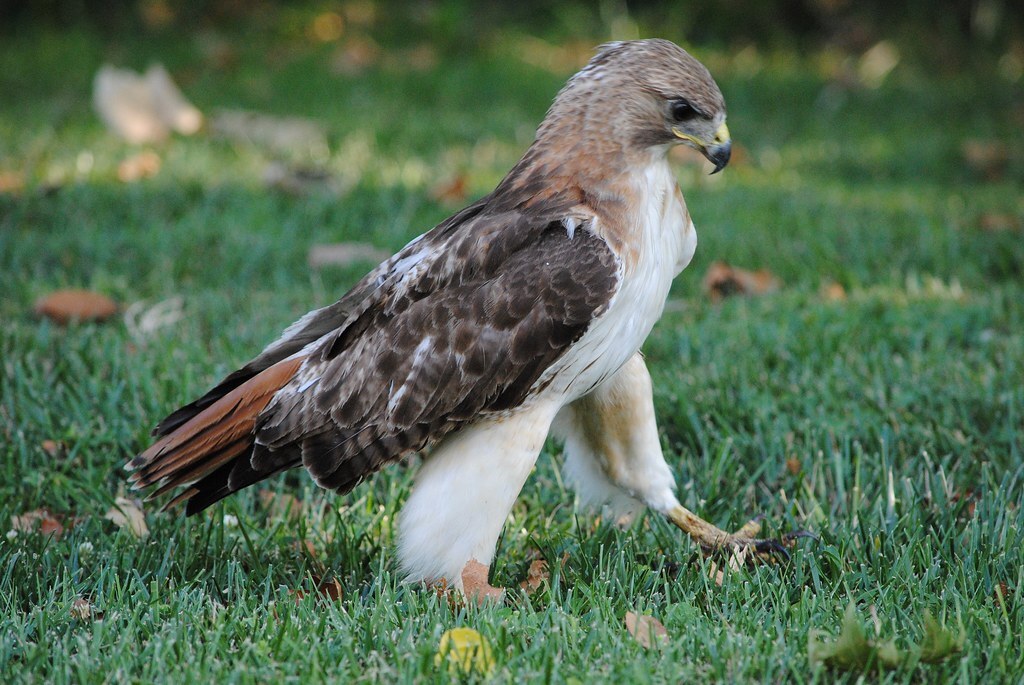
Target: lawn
[885,414]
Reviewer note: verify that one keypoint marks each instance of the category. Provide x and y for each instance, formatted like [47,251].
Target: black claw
[771,547]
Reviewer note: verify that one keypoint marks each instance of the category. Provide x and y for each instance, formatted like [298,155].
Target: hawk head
[646,94]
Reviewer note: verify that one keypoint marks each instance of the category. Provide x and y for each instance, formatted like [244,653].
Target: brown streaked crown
[626,94]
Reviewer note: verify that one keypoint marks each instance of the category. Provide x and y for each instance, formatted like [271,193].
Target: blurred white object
[172,107]
[143,108]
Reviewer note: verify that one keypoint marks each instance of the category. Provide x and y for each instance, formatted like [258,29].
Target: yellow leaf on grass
[465,650]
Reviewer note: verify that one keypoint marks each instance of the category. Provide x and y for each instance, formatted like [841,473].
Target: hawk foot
[739,548]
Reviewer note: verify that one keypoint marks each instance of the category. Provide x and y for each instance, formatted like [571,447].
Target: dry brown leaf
[970,497]
[1003,593]
[41,521]
[145,164]
[646,630]
[987,157]
[64,306]
[450,192]
[127,513]
[306,546]
[421,58]
[345,254]
[330,588]
[723,280]
[84,611]
[12,182]
[536,576]
[156,14]
[996,223]
[358,54]
[217,51]
[475,585]
[326,588]
[51,447]
[833,292]
[716,574]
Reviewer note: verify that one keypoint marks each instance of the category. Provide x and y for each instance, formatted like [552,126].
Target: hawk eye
[682,110]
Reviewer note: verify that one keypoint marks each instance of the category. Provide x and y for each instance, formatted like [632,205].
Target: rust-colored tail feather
[215,437]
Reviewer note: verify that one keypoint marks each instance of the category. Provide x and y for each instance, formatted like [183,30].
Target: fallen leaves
[145,164]
[475,585]
[330,588]
[830,291]
[51,447]
[355,56]
[852,650]
[127,513]
[994,222]
[81,609]
[646,630]
[452,191]
[465,650]
[536,576]
[66,306]
[42,521]
[989,158]
[326,588]
[143,108]
[723,280]
[11,182]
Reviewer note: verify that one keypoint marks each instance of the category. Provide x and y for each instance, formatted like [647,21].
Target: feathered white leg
[614,456]
[464,492]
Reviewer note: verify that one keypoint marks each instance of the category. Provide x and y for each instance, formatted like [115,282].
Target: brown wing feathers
[445,359]
[406,357]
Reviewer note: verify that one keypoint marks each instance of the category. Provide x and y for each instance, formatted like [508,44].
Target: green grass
[900,409]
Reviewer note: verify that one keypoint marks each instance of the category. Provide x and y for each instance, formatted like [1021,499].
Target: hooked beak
[717,152]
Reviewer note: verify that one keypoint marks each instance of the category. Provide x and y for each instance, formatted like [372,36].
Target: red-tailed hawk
[522,313]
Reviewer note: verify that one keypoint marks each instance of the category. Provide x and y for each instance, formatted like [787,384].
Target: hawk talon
[766,549]
[713,540]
